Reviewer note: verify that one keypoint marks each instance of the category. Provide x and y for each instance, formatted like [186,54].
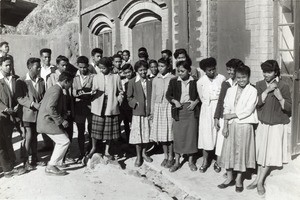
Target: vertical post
[79,26]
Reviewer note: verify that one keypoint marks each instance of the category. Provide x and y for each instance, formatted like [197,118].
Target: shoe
[217,168]
[261,190]
[224,185]
[69,160]
[251,186]
[14,172]
[164,163]
[84,160]
[28,167]
[170,163]
[54,171]
[239,189]
[203,168]
[193,167]
[109,157]
[137,163]
[174,168]
[45,149]
[148,159]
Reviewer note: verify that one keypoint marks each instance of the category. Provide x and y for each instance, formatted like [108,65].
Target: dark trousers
[126,117]
[81,138]
[7,155]
[29,143]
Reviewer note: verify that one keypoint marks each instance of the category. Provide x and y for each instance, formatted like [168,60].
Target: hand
[120,97]
[272,87]
[225,131]
[65,124]
[177,104]
[9,111]
[80,92]
[278,94]
[192,105]
[217,124]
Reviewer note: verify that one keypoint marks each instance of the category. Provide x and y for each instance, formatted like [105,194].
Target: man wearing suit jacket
[30,91]
[8,113]
[52,121]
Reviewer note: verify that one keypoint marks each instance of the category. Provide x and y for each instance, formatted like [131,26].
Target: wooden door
[148,35]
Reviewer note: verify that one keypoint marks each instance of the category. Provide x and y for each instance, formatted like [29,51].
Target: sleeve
[51,107]
[50,81]
[249,107]
[170,91]
[21,94]
[2,106]
[285,92]
[260,103]
[220,108]
[130,97]
[153,95]
[226,103]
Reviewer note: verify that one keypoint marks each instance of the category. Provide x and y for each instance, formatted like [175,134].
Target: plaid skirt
[105,127]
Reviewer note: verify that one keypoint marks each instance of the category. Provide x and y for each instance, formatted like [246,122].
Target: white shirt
[185,90]
[34,82]
[8,81]
[45,71]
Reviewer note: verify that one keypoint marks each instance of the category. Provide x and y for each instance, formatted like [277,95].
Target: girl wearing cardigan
[139,99]
[274,109]
[182,94]
[105,107]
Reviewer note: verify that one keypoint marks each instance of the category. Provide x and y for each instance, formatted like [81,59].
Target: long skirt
[207,132]
[105,127]
[185,132]
[238,151]
[161,128]
[140,130]
[220,138]
[271,144]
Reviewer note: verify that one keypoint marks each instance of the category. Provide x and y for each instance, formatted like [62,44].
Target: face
[35,69]
[153,68]
[211,72]
[46,58]
[6,66]
[269,76]
[105,70]
[183,73]
[142,71]
[5,48]
[125,56]
[181,57]
[242,79]
[62,66]
[128,73]
[231,72]
[83,68]
[117,62]
[163,69]
[96,58]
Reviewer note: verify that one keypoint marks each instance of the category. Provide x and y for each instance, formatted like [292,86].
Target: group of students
[184,110]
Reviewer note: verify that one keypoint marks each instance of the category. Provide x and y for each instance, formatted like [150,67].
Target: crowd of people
[179,106]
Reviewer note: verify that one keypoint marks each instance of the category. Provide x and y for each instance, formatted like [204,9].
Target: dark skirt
[185,132]
[105,127]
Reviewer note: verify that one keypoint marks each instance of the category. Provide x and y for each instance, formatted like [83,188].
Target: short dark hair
[142,49]
[126,51]
[182,51]
[45,50]
[243,69]
[31,61]
[96,50]
[117,56]
[152,61]
[167,51]
[65,76]
[164,61]
[207,62]
[4,58]
[127,66]
[234,63]
[143,55]
[61,58]
[106,61]
[82,59]
[185,64]
[271,66]
[3,43]
[139,64]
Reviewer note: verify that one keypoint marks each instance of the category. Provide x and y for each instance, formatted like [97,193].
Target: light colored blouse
[185,88]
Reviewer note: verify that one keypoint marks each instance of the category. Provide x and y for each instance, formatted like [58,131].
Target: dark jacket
[220,106]
[174,92]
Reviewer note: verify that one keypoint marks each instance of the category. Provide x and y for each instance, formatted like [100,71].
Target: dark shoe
[217,168]
[203,168]
[170,163]
[251,186]
[174,168]
[193,167]
[14,172]
[54,171]
[148,159]
[164,163]
[45,149]
[84,160]
[261,190]
[224,185]
[239,189]
[28,167]
[137,163]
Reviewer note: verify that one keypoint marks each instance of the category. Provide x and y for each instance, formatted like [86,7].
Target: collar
[138,78]
[189,80]
[29,79]
[59,85]
[275,79]
[2,76]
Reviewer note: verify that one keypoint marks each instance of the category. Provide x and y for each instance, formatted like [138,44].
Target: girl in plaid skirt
[108,95]
[161,130]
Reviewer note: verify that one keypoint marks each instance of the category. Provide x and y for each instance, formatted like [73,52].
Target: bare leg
[229,176]
[171,151]
[254,183]
[260,184]
[94,146]
[27,142]
[165,149]
[138,161]
[239,182]
[205,157]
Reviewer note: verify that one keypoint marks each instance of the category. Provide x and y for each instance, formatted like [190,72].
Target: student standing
[30,91]
[238,151]
[139,99]
[153,66]
[274,109]
[182,94]
[4,49]
[96,54]
[208,87]
[117,62]
[161,130]
[126,57]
